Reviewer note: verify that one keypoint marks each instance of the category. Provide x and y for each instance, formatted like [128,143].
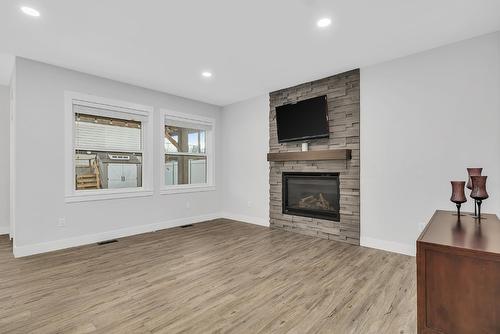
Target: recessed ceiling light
[30,11]
[324,22]
[207,74]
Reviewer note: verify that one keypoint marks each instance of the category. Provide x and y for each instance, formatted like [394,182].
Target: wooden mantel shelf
[336,154]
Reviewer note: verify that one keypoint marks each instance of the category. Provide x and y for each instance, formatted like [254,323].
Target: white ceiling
[252,46]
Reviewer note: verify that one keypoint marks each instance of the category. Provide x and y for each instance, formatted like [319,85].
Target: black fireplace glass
[314,195]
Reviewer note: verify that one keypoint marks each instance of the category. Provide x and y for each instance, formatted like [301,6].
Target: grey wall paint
[450,88]
[40,159]
[425,118]
[4,161]
[245,168]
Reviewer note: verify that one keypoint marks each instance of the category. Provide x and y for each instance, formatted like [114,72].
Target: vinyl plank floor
[220,276]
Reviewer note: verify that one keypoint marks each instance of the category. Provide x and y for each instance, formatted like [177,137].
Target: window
[187,164]
[108,152]
[108,148]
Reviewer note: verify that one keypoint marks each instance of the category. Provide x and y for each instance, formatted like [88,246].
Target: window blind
[106,137]
[101,137]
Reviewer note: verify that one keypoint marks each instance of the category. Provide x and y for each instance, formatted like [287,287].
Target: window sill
[186,189]
[101,195]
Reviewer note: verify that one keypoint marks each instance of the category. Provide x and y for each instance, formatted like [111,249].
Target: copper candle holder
[479,192]
[474,171]
[458,194]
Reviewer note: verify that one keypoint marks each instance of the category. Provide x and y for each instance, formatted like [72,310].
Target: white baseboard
[4,230]
[93,238]
[245,219]
[389,246]
[50,246]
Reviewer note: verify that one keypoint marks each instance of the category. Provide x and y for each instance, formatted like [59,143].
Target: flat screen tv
[307,119]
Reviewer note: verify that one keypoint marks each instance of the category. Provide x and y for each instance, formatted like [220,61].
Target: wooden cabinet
[458,275]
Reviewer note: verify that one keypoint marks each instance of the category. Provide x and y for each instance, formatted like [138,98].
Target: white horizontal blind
[105,137]
[101,137]
[85,107]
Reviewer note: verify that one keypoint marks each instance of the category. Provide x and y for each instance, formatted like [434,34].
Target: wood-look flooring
[216,277]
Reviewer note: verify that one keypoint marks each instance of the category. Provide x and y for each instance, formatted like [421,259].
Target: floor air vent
[189,225]
[107,242]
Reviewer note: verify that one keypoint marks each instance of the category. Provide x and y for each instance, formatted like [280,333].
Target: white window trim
[119,108]
[210,154]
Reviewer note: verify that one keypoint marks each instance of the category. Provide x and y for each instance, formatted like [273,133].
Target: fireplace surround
[315,195]
[337,154]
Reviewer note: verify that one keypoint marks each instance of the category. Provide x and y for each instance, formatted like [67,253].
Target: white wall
[424,119]
[39,154]
[245,142]
[4,162]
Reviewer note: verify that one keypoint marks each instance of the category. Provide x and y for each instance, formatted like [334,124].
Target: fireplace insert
[315,195]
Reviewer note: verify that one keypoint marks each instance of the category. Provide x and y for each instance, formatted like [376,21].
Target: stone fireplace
[314,195]
[328,207]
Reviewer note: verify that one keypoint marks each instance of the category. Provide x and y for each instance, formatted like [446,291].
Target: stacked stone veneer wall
[342,91]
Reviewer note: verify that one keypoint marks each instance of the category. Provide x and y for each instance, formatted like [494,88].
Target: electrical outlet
[61,222]
[249,204]
[188,205]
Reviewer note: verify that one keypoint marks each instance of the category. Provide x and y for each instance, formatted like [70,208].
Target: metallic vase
[458,194]
[473,171]
[479,192]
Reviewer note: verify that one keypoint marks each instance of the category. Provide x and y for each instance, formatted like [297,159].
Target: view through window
[185,155]
[108,152]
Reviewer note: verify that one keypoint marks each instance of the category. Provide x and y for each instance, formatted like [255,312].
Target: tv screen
[303,120]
